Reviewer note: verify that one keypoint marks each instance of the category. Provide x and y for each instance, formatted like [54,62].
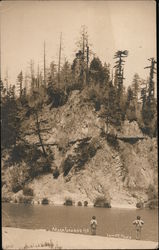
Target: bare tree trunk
[87,63]
[39,134]
[59,63]
[44,66]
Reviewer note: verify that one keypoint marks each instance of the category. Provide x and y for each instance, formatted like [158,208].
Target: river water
[114,222]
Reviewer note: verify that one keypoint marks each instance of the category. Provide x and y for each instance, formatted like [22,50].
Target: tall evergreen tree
[149,106]
[20,83]
[120,98]
[136,86]
[96,72]
[10,122]
[151,87]
[119,65]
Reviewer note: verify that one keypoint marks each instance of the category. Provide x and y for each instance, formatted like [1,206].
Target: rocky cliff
[89,163]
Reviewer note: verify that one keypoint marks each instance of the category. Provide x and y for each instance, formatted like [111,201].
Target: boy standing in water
[93,225]
[138,223]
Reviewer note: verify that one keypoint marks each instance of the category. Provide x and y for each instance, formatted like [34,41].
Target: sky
[112,25]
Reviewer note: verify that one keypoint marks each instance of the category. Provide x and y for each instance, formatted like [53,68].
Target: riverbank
[16,238]
[113,205]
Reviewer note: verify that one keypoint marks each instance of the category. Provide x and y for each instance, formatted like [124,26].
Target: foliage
[119,76]
[68,202]
[68,164]
[20,83]
[151,192]
[6,199]
[130,105]
[18,175]
[10,120]
[140,204]
[66,75]
[152,195]
[105,92]
[79,203]
[28,191]
[152,204]
[97,73]
[101,201]
[56,97]
[18,153]
[31,156]
[25,199]
[149,105]
[94,97]
[45,245]
[136,86]
[72,87]
[112,140]
[56,173]
[85,203]
[45,201]
[84,152]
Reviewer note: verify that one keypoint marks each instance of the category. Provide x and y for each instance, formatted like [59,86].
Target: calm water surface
[110,221]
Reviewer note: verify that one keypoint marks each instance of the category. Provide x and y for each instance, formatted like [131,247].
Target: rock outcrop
[89,165]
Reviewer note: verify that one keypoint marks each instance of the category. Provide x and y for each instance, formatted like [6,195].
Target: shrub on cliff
[68,164]
[68,202]
[152,204]
[79,203]
[30,156]
[101,201]
[28,191]
[112,140]
[24,199]
[151,192]
[140,204]
[56,173]
[75,86]
[152,197]
[45,201]
[56,97]
[18,176]
[85,203]
[84,151]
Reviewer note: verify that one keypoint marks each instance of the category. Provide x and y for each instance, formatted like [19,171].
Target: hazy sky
[112,26]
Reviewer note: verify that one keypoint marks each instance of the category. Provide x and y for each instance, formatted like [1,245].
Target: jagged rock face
[93,166]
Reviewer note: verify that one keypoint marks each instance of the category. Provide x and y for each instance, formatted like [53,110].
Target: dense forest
[53,85]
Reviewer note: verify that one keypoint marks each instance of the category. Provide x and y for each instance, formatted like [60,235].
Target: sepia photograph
[79,162]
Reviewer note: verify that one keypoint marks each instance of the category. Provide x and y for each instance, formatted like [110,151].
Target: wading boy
[93,225]
[138,223]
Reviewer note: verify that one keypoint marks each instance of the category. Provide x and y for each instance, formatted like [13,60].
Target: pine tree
[136,87]
[20,83]
[10,122]
[32,76]
[151,87]
[119,65]
[35,106]
[53,71]
[119,74]
[149,102]
[96,72]
[131,105]
[77,68]
[84,54]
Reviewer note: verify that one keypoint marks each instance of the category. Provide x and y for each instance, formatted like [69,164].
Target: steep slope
[89,165]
